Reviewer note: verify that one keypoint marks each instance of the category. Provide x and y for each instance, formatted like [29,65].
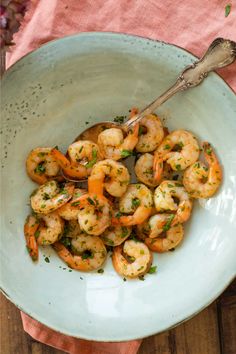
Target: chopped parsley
[125,231]
[119,119]
[152,270]
[94,159]
[47,260]
[37,233]
[135,202]
[40,169]
[66,241]
[141,130]
[87,254]
[178,167]
[168,224]
[209,151]
[141,277]
[101,271]
[126,153]
[167,147]
[227,9]
[90,200]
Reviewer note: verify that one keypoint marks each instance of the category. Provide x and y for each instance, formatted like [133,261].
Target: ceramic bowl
[48,98]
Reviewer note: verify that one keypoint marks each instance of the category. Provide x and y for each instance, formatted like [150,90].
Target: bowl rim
[226,284]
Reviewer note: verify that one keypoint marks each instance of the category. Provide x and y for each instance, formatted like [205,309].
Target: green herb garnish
[178,167]
[135,202]
[140,130]
[40,169]
[119,119]
[94,159]
[47,260]
[100,271]
[126,153]
[90,200]
[227,9]
[152,270]
[168,224]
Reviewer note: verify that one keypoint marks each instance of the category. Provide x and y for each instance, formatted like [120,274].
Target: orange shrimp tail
[30,227]
[157,167]
[60,157]
[39,179]
[133,112]
[155,245]
[95,185]
[115,221]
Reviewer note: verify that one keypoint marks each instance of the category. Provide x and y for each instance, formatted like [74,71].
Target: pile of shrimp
[131,220]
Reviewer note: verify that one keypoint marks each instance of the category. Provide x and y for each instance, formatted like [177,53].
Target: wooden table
[213,331]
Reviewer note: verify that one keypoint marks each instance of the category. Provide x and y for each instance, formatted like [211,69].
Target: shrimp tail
[95,185]
[157,167]
[30,228]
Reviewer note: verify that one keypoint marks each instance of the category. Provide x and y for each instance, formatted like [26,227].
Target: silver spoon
[221,52]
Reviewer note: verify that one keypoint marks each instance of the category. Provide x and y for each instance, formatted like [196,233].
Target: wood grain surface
[213,331]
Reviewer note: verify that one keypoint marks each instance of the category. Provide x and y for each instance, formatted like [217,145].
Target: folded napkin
[191,24]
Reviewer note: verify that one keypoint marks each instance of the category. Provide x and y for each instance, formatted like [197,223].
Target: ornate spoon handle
[222,52]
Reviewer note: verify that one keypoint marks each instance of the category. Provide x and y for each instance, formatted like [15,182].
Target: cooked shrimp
[114,146]
[50,197]
[164,200]
[172,239]
[115,235]
[89,253]
[144,170]
[30,229]
[138,201]
[200,181]
[41,165]
[111,175]
[132,259]
[94,213]
[82,155]
[69,211]
[178,160]
[145,174]
[50,228]
[151,133]
[156,224]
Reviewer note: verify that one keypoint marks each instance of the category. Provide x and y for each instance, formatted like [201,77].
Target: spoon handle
[221,52]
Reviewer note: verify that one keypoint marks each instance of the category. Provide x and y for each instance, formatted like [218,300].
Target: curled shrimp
[30,229]
[111,175]
[132,259]
[200,181]
[41,165]
[145,173]
[151,133]
[50,228]
[69,211]
[116,235]
[114,146]
[172,239]
[164,200]
[89,253]
[153,227]
[49,197]
[137,201]
[94,214]
[187,152]
[144,170]
[82,155]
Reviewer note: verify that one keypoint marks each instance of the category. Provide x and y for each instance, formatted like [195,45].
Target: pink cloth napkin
[191,24]
[72,345]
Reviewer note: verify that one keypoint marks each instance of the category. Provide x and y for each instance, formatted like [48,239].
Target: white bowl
[48,96]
